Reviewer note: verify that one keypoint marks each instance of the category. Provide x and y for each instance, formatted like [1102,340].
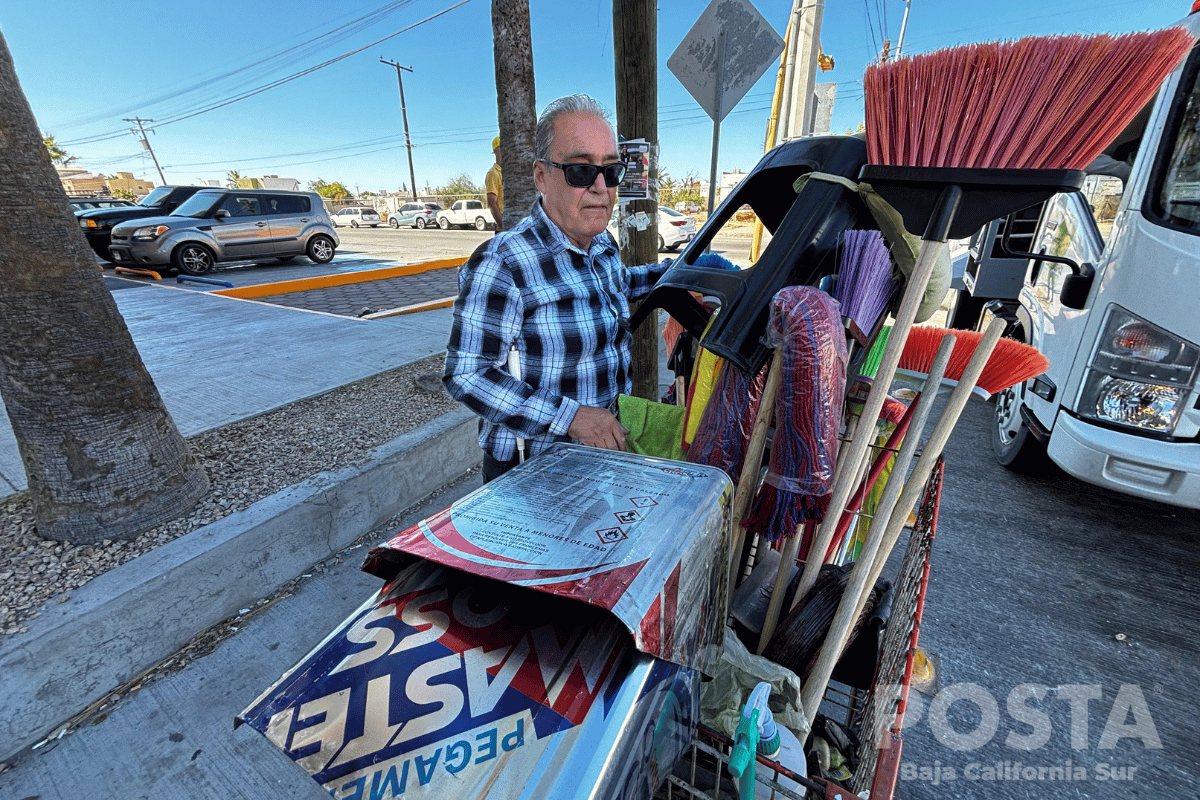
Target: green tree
[232,179]
[57,154]
[667,189]
[103,458]
[125,194]
[460,187]
[333,191]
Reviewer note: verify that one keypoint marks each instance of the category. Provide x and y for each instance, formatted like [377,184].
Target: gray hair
[573,104]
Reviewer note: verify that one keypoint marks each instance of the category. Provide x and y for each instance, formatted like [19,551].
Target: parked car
[674,229]
[466,213]
[356,216]
[82,204]
[415,215]
[97,224]
[217,225]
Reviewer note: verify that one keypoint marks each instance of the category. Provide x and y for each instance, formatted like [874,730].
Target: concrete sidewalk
[217,360]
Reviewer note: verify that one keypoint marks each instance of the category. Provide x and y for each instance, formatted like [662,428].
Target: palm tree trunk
[104,459]
[515,106]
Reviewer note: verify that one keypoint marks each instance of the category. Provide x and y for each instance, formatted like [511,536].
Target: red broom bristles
[1048,102]
[1012,362]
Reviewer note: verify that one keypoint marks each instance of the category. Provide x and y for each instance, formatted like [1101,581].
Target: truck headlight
[1140,375]
[150,232]
[89,224]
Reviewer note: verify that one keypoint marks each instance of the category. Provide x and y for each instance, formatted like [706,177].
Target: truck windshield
[1177,199]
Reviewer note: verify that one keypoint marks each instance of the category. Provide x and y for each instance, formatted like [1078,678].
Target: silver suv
[216,225]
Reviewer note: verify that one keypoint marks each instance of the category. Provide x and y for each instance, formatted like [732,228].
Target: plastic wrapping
[737,672]
[724,430]
[806,323]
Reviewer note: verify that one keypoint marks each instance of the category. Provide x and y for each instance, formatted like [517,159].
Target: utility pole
[635,41]
[404,115]
[903,26]
[146,144]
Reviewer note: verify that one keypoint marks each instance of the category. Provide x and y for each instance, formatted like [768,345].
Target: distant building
[80,182]
[270,182]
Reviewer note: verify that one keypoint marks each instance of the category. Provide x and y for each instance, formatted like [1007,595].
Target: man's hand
[596,427]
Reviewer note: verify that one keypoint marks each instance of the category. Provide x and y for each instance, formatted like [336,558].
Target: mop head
[723,434]
[807,324]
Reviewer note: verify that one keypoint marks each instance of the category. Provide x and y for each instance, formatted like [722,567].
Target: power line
[309,71]
[334,35]
[146,144]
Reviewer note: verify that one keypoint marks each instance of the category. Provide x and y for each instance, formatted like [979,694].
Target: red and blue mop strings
[723,434]
[807,324]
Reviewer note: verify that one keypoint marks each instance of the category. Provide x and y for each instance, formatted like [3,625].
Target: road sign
[719,73]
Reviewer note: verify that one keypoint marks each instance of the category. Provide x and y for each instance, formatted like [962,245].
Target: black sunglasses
[582,176]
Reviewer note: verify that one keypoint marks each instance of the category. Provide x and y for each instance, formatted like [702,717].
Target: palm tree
[104,459]
[231,180]
[57,154]
[516,108]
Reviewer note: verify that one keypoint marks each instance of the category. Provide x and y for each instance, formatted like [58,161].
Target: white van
[1115,306]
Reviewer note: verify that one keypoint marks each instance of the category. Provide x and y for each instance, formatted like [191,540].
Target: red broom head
[1045,102]
[1012,362]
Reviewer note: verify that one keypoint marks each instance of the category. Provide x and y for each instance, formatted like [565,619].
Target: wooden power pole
[635,41]
[516,112]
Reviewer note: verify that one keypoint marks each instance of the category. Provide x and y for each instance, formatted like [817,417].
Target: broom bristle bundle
[1046,102]
[864,283]
[1012,362]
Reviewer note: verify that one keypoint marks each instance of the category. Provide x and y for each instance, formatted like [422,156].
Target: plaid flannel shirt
[563,308]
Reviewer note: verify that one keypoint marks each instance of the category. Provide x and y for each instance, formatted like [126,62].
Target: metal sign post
[717,117]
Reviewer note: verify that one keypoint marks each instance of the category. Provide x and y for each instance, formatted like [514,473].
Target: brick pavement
[385,293]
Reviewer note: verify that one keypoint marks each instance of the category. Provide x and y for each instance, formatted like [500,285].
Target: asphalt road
[1061,619]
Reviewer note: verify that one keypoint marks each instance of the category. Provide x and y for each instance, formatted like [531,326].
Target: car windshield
[155,198]
[198,205]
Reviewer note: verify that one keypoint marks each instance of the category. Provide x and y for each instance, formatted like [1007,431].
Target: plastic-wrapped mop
[806,323]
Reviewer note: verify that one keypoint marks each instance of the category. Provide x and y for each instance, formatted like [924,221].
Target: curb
[125,621]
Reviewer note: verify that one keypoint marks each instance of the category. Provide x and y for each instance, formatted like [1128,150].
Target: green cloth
[655,429]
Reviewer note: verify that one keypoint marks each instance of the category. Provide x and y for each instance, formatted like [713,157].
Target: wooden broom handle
[852,456]
[867,569]
[753,462]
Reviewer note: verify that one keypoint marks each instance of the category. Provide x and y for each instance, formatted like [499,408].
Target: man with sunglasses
[554,289]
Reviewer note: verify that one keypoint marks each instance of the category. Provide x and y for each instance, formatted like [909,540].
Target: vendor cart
[876,712]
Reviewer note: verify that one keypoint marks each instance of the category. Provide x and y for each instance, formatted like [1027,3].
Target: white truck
[466,213]
[1115,306]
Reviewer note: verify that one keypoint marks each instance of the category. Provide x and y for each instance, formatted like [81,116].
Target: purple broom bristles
[864,284]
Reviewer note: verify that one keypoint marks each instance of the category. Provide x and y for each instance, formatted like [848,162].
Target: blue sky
[83,71]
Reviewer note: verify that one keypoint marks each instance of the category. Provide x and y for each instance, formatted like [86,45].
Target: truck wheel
[193,259]
[443,223]
[480,224]
[1016,448]
[965,311]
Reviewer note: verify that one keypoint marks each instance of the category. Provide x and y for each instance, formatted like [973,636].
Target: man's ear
[539,176]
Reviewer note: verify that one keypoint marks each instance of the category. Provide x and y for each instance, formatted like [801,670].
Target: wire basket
[877,715]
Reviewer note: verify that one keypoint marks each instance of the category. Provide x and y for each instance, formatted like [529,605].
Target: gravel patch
[246,461]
